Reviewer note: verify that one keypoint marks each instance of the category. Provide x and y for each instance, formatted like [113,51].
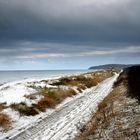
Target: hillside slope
[111,66]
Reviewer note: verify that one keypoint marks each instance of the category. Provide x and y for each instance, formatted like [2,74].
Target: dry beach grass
[5,121]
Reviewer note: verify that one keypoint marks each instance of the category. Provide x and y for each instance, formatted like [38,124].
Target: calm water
[8,76]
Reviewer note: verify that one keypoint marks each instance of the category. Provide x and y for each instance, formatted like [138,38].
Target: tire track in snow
[65,121]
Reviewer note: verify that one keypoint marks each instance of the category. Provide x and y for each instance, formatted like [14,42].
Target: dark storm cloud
[37,31]
[70,21]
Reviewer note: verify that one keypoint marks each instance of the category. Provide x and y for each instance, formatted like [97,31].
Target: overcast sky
[68,34]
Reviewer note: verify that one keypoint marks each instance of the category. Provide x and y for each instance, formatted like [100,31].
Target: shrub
[79,89]
[5,121]
[2,106]
[23,109]
[81,86]
[90,83]
[45,102]
[63,81]
[81,78]
[61,94]
[71,92]
[52,98]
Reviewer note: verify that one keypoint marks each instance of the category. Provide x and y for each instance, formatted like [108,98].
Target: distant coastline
[112,66]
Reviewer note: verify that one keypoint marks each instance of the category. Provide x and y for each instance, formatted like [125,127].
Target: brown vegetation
[83,81]
[24,109]
[45,102]
[5,121]
[2,106]
[51,97]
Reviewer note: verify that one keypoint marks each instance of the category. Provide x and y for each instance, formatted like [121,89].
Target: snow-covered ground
[64,121]
[14,92]
[18,89]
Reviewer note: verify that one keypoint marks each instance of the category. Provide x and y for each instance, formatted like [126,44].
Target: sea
[10,76]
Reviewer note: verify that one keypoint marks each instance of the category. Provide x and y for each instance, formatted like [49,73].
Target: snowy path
[64,122]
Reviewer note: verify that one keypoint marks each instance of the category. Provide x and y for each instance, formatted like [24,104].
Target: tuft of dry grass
[5,121]
[23,109]
[54,96]
[2,106]
[45,102]
[90,83]
[80,86]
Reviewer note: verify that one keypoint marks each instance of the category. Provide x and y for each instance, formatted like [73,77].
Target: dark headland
[112,66]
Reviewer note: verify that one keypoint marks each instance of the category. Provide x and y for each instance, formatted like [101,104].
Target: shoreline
[36,75]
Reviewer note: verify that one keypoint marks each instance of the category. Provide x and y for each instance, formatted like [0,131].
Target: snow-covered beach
[73,111]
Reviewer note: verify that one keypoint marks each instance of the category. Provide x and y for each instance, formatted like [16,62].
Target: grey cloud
[29,51]
[70,21]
